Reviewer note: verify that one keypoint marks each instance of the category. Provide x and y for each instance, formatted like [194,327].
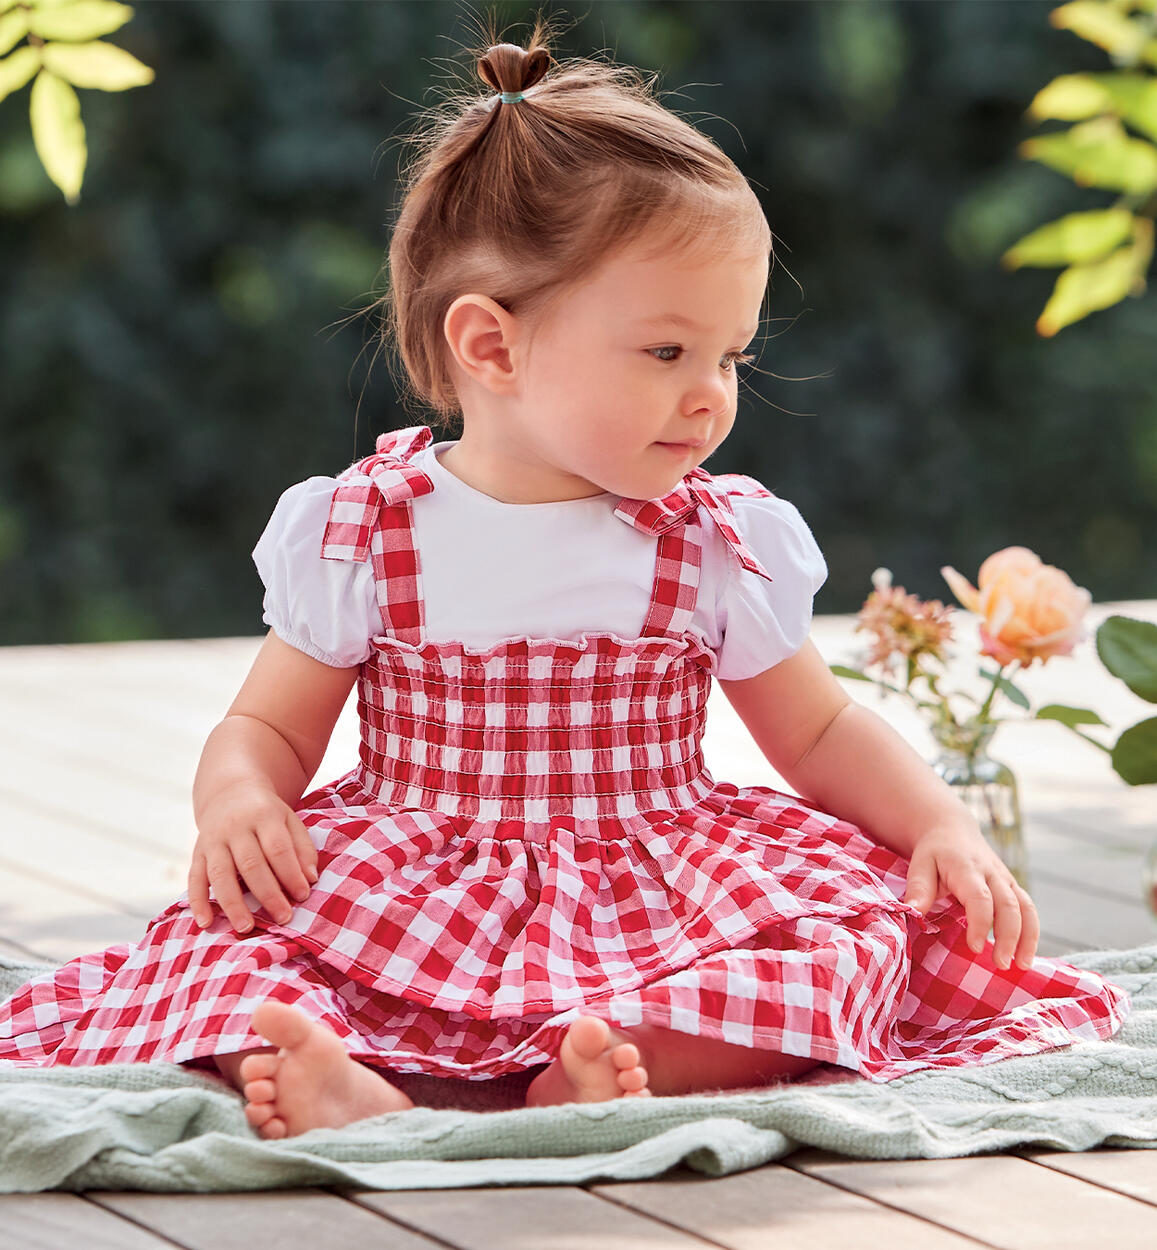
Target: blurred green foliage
[180,346]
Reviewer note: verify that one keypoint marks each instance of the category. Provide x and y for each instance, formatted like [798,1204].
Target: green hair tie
[512,97]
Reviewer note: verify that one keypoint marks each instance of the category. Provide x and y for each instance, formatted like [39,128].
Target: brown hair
[514,200]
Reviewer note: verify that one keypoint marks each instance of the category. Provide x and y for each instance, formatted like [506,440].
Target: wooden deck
[100,744]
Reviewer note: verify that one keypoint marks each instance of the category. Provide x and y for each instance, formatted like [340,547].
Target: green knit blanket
[165,1128]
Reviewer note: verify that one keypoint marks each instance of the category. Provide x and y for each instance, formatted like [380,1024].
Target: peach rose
[1031,610]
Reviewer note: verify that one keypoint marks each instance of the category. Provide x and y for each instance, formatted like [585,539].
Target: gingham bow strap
[699,489]
[385,478]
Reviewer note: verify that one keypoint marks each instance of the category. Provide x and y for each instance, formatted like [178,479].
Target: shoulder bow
[384,479]
[699,489]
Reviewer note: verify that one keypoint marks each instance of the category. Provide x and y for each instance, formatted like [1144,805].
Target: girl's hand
[965,865]
[248,832]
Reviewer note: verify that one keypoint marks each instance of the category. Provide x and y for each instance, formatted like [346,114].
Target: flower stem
[982,715]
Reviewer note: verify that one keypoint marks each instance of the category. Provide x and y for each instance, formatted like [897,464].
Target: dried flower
[902,626]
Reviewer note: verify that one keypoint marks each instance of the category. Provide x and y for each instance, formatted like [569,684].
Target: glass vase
[987,788]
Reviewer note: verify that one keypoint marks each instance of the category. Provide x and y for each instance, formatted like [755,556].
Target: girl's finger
[306,851]
[223,878]
[281,854]
[199,891]
[252,865]
[978,907]
[1007,923]
[1029,931]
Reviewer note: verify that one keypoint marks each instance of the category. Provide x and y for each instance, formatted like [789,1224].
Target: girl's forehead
[641,286]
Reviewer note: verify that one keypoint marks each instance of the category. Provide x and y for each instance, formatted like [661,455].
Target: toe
[260,1091]
[273,1129]
[588,1037]
[259,1067]
[281,1024]
[632,1080]
[259,1113]
[625,1056]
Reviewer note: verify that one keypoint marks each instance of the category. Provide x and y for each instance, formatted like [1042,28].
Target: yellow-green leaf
[1074,239]
[1083,289]
[13,28]
[1069,98]
[1098,153]
[96,64]
[17,69]
[1074,97]
[59,133]
[83,19]
[1106,27]
[1134,96]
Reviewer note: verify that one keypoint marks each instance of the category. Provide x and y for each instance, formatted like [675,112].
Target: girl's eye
[736,358]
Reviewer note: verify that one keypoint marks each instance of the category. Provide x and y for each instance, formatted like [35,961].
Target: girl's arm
[849,762]
[253,770]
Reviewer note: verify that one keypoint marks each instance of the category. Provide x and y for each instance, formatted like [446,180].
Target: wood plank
[777,1206]
[21,954]
[290,1219]
[1111,865]
[1131,1172]
[40,915]
[65,1221]
[555,1217]
[87,793]
[1086,920]
[87,862]
[1003,1200]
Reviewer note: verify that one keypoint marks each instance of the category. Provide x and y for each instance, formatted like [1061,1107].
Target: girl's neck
[509,479]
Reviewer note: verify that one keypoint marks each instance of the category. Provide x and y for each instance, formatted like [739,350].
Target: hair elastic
[512,97]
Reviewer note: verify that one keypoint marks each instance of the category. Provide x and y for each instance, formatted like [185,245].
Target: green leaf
[17,69]
[853,674]
[13,28]
[1082,289]
[97,64]
[1075,97]
[59,133]
[1097,153]
[1069,98]
[83,19]
[1107,27]
[1128,649]
[1135,755]
[1134,96]
[1074,239]
[1013,692]
[1068,715]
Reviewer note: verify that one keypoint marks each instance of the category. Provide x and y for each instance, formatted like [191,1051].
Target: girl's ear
[482,335]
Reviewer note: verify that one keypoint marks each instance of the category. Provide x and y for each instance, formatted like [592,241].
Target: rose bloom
[1030,610]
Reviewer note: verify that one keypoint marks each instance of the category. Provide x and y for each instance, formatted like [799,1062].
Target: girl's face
[629,382]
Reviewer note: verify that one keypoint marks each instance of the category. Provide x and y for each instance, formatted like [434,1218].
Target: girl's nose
[707,396]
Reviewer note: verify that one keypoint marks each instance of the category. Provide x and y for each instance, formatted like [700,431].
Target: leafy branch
[1106,251]
[61,49]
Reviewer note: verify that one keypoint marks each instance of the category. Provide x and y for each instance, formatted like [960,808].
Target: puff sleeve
[765,622]
[325,608]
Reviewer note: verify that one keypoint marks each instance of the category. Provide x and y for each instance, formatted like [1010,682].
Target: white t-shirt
[492,570]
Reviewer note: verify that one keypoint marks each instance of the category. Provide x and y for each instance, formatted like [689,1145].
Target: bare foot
[311,1081]
[594,1064]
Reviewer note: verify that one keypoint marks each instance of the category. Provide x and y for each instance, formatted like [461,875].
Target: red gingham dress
[530,834]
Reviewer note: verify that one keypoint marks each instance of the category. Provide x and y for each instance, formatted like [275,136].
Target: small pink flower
[1031,611]
[901,624]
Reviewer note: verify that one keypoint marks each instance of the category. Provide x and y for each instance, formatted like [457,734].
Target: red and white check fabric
[531,833]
